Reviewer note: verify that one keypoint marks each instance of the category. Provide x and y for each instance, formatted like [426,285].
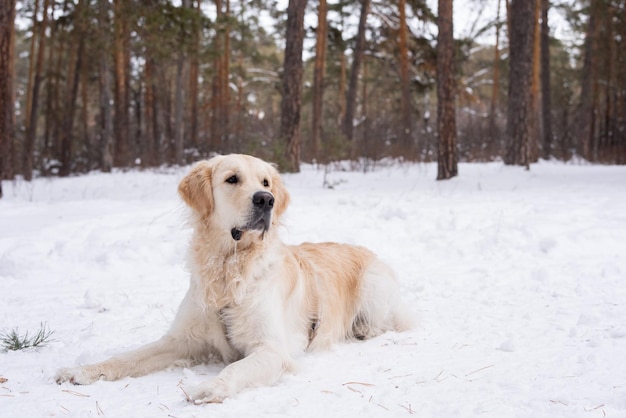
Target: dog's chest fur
[225,276]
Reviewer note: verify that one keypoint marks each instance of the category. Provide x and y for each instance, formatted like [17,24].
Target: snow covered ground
[517,280]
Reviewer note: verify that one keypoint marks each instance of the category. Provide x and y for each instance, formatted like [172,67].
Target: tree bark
[7,110]
[342,88]
[56,54]
[27,150]
[71,94]
[220,100]
[405,86]
[122,119]
[33,109]
[318,77]
[447,166]
[357,57]
[106,118]
[194,67]
[292,85]
[586,117]
[535,119]
[225,73]
[520,82]
[182,73]
[495,90]
[216,90]
[546,99]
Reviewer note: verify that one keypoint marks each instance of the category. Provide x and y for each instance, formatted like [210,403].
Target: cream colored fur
[256,303]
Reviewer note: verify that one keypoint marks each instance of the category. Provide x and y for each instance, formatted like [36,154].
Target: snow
[516,278]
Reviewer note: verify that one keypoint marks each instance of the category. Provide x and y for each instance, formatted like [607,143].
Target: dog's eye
[266,183]
[232,179]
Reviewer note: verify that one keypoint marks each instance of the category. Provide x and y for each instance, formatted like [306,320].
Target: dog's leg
[147,359]
[195,335]
[262,367]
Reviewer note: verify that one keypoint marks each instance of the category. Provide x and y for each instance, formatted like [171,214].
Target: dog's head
[236,193]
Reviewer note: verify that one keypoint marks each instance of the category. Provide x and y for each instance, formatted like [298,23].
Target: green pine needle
[12,340]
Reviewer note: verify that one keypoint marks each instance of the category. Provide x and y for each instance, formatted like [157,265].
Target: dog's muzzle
[260,216]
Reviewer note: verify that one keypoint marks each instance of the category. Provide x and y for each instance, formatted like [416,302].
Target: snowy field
[517,280]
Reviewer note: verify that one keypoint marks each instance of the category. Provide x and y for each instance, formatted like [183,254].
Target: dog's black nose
[263,200]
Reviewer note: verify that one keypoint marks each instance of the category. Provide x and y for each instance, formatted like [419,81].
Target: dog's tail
[381,308]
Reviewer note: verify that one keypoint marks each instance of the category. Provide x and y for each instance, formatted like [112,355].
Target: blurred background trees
[97,84]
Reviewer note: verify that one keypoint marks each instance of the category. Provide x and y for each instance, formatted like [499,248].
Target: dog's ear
[281,196]
[196,188]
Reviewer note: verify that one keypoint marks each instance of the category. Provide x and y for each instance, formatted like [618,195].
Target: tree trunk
[88,145]
[546,100]
[193,79]
[447,166]
[621,95]
[225,73]
[318,77]
[606,144]
[33,109]
[496,80]
[7,110]
[216,92]
[149,109]
[27,150]
[106,119]
[359,49]
[520,82]
[535,127]
[292,85]
[342,88]
[220,100]
[586,119]
[157,113]
[179,101]
[405,86]
[122,152]
[51,124]
[71,93]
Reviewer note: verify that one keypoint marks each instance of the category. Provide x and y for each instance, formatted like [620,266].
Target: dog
[254,302]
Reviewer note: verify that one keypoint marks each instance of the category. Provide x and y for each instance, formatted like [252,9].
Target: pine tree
[292,85]
[446,94]
[522,13]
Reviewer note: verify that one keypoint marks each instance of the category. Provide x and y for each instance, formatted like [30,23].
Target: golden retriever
[253,301]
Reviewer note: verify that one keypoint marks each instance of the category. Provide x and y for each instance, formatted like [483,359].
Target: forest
[98,84]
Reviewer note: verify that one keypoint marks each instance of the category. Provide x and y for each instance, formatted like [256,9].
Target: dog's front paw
[214,391]
[76,376]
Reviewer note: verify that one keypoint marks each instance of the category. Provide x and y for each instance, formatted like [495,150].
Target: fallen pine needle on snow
[409,410]
[100,411]
[479,370]
[358,383]
[185,393]
[71,392]
[398,377]
[593,409]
